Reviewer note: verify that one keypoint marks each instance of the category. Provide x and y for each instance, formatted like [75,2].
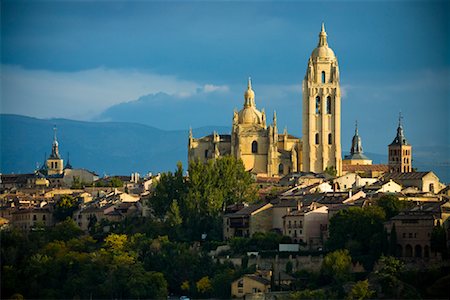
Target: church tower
[54,161]
[322,110]
[356,156]
[400,152]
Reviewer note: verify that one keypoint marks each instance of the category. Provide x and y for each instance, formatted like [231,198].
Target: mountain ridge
[118,147]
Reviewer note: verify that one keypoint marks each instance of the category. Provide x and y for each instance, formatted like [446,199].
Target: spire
[68,165]
[54,133]
[249,94]
[400,119]
[323,37]
[400,139]
[190,132]
[274,118]
[55,146]
[356,142]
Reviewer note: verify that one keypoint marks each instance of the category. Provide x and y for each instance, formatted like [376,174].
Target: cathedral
[261,148]
[266,152]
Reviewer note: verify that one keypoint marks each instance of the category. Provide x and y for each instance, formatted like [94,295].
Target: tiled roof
[365,168]
[247,210]
[406,176]
[259,279]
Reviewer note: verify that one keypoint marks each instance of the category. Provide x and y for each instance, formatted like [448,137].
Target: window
[206,153]
[43,217]
[240,283]
[323,76]
[329,105]
[56,164]
[317,105]
[255,147]
[280,169]
[34,218]
[330,139]
[432,187]
[317,139]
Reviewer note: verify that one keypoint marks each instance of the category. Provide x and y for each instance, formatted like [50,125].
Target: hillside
[106,148]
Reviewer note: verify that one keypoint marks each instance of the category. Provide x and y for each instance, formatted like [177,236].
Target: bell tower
[55,162]
[322,110]
[400,152]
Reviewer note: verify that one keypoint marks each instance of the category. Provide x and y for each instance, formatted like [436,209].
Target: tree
[204,286]
[361,291]
[330,170]
[360,230]
[393,241]
[439,240]
[211,187]
[337,265]
[170,187]
[65,207]
[390,204]
[65,230]
[116,182]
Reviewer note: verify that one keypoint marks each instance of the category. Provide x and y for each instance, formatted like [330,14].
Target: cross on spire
[54,132]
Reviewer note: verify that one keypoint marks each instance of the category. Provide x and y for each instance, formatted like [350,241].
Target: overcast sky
[75,59]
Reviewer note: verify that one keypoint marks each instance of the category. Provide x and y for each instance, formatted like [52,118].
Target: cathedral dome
[322,50]
[250,115]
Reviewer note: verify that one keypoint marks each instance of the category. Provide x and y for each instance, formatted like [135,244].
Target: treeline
[63,263]
[192,207]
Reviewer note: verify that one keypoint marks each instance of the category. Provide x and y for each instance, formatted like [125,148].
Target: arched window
[330,139]
[255,147]
[280,169]
[56,164]
[317,139]
[408,251]
[206,153]
[329,105]
[418,251]
[431,187]
[323,76]
[317,105]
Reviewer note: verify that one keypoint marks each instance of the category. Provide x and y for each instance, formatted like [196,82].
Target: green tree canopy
[337,265]
[65,207]
[360,230]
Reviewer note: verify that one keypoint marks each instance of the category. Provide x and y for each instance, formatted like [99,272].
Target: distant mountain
[106,148]
[122,148]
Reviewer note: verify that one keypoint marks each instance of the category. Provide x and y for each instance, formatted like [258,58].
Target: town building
[247,221]
[423,181]
[249,284]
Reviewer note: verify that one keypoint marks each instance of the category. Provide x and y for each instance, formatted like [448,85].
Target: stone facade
[261,148]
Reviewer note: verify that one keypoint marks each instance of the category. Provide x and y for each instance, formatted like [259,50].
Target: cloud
[84,94]
[209,88]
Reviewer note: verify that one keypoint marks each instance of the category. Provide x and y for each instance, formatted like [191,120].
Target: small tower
[400,152]
[55,163]
[356,156]
[322,110]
